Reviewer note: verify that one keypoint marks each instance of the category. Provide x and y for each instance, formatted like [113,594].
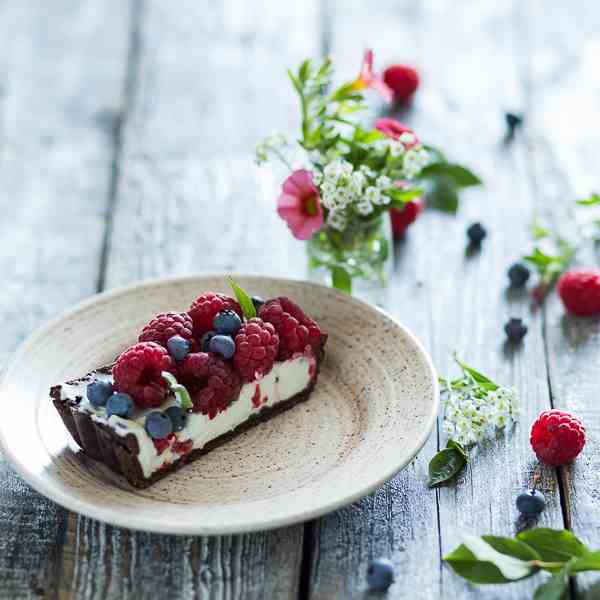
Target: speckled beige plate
[372,410]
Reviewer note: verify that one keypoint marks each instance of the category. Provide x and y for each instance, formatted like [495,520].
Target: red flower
[368,79]
[394,129]
[299,205]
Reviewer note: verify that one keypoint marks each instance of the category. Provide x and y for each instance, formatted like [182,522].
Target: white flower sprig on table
[475,408]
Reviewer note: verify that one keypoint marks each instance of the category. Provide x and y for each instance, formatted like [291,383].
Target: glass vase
[358,259]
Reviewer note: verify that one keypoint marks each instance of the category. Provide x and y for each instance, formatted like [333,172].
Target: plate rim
[129,521]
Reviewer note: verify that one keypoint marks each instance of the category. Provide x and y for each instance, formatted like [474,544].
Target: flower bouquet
[352,174]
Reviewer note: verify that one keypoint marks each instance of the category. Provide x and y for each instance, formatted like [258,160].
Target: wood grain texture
[61,82]
[564,132]
[207,87]
[452,301]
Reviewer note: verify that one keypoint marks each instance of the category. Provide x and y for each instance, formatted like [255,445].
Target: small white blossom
[337,219]
[373,195]
[317,177]
[364,207]
[413,163]
[383,182]
[408,138]
[367,171]
[396,148]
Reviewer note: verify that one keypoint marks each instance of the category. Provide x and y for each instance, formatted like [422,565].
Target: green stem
[546,565]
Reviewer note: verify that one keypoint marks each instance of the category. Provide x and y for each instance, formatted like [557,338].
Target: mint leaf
[555,587]
[511,547]
[591,201]
[341,280]
[538,231]
[480,379]
[446,464]
[456,446]
[245,301]
[460,176]
[553,545]
[588,562]
[479,562]
[180,391]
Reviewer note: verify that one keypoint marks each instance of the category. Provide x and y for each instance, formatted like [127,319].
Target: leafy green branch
[492,559]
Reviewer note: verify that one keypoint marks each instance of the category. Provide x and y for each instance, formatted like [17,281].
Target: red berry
[295,329]
[195,365]
[205,307]
[403,80]
[221,386]
[137,372]
[580,291]
[557,437]
[402,218]
[165,326]
[256,348]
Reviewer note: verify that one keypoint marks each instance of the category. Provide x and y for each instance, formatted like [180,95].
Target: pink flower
[368,79]
[299,205]
[394,129]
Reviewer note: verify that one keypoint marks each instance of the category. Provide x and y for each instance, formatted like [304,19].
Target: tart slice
[193,381]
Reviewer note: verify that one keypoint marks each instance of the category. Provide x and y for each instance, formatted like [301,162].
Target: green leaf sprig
[244,299]
[180,391]
[492,559]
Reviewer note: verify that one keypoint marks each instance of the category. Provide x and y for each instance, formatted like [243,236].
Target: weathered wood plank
[210,83]
[452,301]
[61,79]
[564,131]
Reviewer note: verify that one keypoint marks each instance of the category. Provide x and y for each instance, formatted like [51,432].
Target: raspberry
[403,80]
[295,329]
[403,217]
[137,372]
[205,307]
[221,386]
[256,347]
[557,437]
[195,365]
[165,326]
[580,291]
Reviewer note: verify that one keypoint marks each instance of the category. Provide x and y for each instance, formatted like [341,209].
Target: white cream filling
[286,379]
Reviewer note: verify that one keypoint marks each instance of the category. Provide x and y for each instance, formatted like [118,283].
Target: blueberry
[515,330]
[518,275]
[158,425]
[205,340]
[227,322]
[120,405]
[531,503]
[513,121]
[380,574]
[258,302]
[98,392]
[178,347]
[223,345]
[177,416]
[476,233]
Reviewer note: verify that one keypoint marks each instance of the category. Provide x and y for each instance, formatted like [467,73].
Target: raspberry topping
[195,365]
[557,437]
[580,291]
[205,308]
[165,326]
[295,329]
[221,386]
[137,372]
[256,347]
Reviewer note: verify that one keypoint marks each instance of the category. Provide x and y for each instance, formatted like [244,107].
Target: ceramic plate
[372,410]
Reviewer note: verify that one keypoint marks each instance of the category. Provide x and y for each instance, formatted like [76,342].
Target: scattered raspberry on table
[557,437]
[579,291]
[403,80]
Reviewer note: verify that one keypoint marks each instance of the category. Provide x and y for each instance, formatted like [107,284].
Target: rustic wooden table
[126,139]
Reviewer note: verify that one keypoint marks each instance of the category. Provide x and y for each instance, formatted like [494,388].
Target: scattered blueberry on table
[518,275]
[513,122]
[177,416]
[515,330]
[227,322]
[98,392]
[531,503]
[178,347]
[120,405]
[158,425]
[476,233]
[380,574]
[223,345]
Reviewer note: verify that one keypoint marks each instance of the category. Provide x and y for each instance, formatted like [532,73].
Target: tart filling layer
[285,380]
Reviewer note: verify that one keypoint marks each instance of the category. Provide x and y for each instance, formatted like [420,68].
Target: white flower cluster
[415,159]
[415,156]
[344,189]
[272,143]
[472,414]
